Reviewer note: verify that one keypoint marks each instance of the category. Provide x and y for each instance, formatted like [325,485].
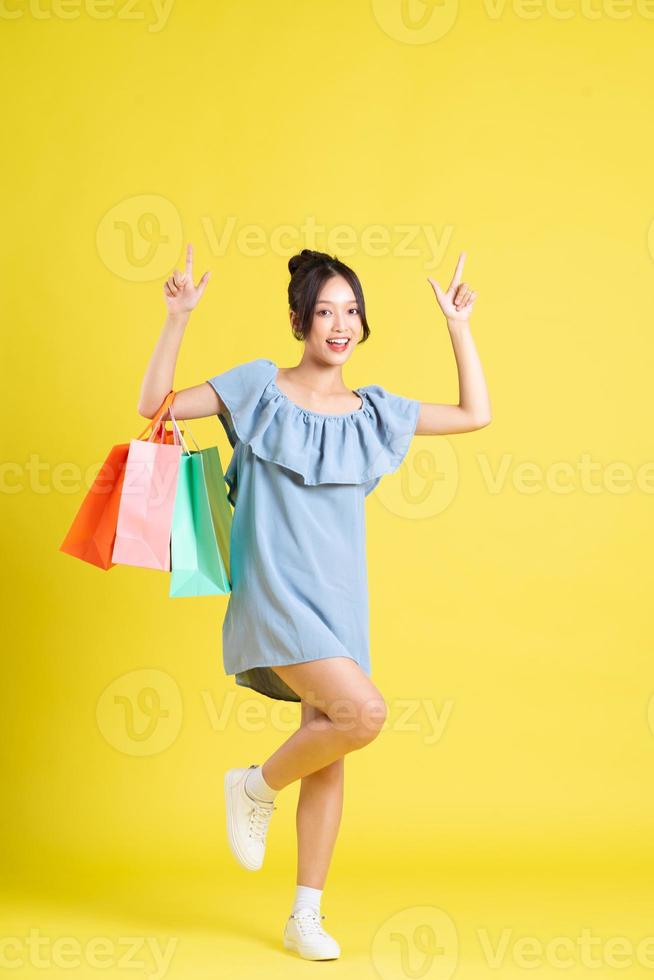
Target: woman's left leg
[318,816]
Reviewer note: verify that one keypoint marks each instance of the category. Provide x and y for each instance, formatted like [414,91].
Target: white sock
[257,787]
[307,896]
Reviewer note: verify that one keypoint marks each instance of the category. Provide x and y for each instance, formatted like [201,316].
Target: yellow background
[510,585]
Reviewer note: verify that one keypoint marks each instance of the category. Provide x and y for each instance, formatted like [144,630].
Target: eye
[354,310]
[322,311]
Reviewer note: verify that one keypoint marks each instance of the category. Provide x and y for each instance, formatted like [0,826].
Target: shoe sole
[291,944]
[231,837]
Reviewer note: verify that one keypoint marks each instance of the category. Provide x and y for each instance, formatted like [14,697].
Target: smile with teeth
[338,343]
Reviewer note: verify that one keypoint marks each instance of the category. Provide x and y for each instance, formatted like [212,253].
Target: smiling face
[336,324]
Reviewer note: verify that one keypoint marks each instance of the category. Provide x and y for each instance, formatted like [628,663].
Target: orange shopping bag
[92,534]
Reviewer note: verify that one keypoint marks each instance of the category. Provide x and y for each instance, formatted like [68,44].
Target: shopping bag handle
[177,428]
[156,418]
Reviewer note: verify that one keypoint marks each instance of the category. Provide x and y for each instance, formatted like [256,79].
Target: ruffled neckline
[321,415]
[354,447]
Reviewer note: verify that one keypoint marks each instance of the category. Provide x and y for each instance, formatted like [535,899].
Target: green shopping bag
[201,528]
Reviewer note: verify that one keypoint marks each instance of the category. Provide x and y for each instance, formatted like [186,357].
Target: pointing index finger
[189,260]
[456,278]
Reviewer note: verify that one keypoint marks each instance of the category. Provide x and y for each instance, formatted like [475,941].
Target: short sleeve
[393,419]
[240,389]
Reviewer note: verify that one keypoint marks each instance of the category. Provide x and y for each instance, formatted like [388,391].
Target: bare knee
[337,689]
[333,772]
[363,721]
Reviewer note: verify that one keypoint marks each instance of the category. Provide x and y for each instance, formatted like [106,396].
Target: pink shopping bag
[147,498]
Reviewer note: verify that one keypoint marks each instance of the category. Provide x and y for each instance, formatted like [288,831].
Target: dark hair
[309,270]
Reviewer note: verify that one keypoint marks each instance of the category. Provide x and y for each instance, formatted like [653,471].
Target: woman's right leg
[353,714]
[319,812]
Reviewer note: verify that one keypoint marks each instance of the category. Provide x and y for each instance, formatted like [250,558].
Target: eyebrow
[354,302]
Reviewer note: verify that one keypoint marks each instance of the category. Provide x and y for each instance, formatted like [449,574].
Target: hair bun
[306,258]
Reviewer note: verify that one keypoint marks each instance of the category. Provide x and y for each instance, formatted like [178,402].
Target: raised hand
[458,300]
[179,292]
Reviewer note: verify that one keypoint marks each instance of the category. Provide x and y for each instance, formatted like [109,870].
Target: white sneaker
[305,935]
[247,820]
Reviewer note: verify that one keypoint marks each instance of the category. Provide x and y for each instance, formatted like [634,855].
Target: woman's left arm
[473,411]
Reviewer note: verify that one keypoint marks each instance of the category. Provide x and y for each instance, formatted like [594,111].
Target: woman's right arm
[190,403]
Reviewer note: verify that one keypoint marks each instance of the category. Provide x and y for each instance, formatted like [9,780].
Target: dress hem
[389,460]
[278,697]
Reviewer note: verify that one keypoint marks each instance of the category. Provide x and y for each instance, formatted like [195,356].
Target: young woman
[307,450]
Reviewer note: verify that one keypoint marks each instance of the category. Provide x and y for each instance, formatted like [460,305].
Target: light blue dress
[297,481]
